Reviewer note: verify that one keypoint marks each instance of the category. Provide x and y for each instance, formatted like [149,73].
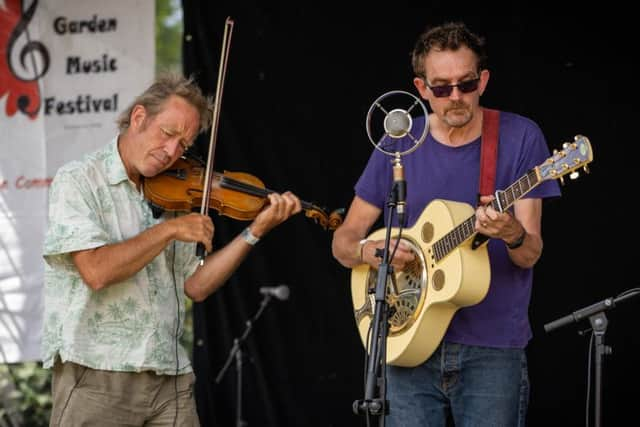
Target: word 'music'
[105,63]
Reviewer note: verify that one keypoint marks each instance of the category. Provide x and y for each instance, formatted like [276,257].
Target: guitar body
[430,292]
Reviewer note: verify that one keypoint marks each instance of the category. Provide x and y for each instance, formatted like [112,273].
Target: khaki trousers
[88,397]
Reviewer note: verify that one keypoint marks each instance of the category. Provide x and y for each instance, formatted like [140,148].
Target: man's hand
[280,208]
[401,258]
[193,227]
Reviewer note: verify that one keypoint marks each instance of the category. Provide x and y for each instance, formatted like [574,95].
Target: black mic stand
[599,323]
[236,351]
[374,402]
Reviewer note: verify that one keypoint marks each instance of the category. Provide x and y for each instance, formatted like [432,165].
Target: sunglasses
[466,86]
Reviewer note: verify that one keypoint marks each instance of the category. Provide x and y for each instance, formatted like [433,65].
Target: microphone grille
[397,123]
[282,292]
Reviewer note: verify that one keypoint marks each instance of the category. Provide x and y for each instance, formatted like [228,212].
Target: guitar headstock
[574,155]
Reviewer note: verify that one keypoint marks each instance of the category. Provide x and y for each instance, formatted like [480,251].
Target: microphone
[281,292]
[400,185]
[398,123]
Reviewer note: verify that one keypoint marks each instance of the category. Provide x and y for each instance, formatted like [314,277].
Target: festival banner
[67,69]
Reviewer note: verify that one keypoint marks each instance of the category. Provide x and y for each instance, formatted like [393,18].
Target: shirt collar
[116,173]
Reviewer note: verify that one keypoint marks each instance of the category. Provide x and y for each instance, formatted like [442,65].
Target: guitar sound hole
[438,280]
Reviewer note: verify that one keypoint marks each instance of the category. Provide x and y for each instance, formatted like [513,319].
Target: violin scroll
[328,222]
[336,217]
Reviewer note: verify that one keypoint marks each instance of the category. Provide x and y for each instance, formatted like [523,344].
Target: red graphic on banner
[22,60]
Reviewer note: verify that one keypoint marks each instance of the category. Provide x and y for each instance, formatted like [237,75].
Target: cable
[175,289]
[589,357]
[366,364]
[395,248]
[85,369]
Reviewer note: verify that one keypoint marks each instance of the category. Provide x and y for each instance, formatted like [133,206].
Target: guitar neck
[504,200]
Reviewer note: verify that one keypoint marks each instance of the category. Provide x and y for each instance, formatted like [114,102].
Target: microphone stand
[236,351]
[374,402]
[599,323]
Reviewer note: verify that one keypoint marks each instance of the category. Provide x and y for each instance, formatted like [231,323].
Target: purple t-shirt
[437,171]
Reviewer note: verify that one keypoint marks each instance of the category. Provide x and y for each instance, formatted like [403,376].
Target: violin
[237,195]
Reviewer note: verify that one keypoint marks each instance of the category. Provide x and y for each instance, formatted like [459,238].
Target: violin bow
[222,72]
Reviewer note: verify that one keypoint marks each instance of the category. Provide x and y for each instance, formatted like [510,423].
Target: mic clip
[400,189]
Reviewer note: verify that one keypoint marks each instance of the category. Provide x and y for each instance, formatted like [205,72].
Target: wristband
[249,237]
[361,244]
[518,242]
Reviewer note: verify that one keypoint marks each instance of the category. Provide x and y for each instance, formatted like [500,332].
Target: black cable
[589,357]
[85,369]
[395,248]
[366,364]
[627,292]
[175,289]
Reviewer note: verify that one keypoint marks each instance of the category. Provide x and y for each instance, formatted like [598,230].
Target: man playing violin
[116,277]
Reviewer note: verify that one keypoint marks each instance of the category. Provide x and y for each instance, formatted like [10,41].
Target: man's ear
[421,86]
[138,116]
[484,80]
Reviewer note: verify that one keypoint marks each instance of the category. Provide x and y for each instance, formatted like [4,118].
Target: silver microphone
[281,292]
[398,123]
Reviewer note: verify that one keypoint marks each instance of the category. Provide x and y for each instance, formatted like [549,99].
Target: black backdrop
[300,81]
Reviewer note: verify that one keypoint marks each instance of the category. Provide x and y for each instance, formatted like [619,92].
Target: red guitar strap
[489,151]
[488,160]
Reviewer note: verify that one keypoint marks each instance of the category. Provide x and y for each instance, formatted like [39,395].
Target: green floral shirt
[134,325]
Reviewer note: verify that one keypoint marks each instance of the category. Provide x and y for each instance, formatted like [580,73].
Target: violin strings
[232,184]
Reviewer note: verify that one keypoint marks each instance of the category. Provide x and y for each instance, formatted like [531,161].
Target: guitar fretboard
[504,201]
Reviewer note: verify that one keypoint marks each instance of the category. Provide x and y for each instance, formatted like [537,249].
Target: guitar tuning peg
[561,180]
[565,145]
[586,169]
[574,175]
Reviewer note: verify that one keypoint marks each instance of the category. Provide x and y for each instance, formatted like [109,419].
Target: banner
[67,69]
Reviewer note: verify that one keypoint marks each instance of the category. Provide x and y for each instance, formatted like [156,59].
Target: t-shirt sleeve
[376,180]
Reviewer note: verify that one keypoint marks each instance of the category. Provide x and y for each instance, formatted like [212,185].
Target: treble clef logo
[24,60]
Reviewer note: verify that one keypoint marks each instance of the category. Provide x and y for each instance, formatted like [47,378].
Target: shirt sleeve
[74,222]
[375,183]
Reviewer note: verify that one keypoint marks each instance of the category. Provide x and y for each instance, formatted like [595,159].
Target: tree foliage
[168,35]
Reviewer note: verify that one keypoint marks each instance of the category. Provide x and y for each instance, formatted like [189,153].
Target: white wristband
[360,254]
[248,237]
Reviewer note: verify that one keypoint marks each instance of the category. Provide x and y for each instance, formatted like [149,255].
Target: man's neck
[123,150]
[458,136]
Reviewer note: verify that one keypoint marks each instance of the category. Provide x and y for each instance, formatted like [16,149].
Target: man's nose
[173,147]
[456,93]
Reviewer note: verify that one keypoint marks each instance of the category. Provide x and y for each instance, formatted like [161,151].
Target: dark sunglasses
[445,90]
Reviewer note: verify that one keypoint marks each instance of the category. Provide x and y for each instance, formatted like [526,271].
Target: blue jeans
[473,386]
